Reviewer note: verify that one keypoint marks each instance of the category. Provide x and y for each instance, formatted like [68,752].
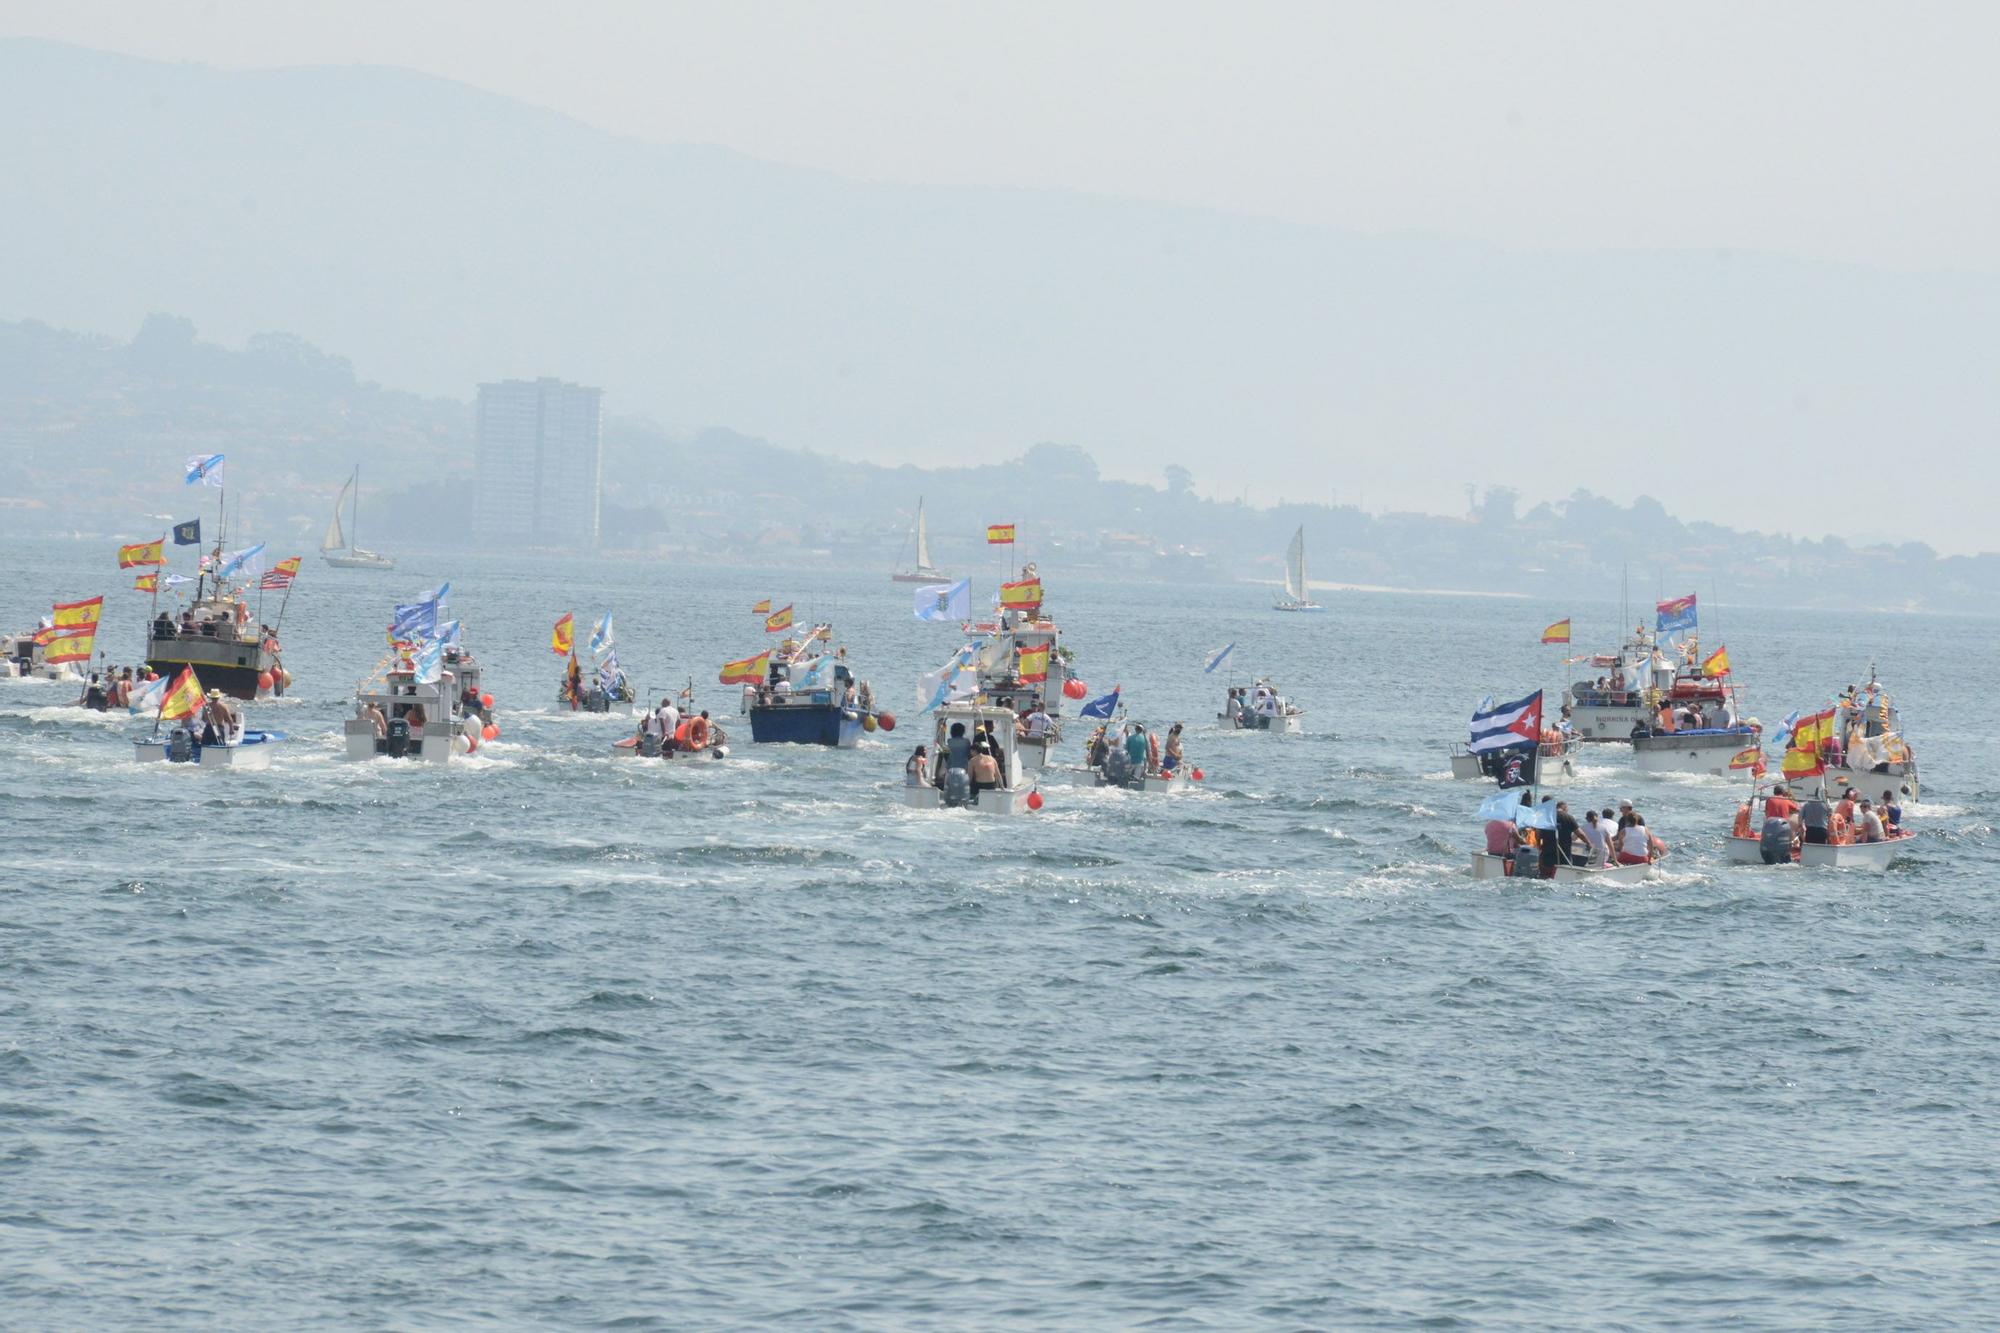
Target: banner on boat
[1676,614]
[183,698]
[1102,707]
[1716,665]
[142,553]
[1023,596]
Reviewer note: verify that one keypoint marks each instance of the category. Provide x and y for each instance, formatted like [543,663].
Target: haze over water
[554,1038]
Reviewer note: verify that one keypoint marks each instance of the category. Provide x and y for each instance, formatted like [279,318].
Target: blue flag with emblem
[188,533]
[1101,707]
[205,469]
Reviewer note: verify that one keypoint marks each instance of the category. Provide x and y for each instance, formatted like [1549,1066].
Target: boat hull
[1305,607]
[1290,724]
[1745,851]
[1487,866]
[220,664]
[1034,754]
[249,755]
[1606,722]
[805,724]
[1874,856]
[1550,770]
[430,747]
[1869,783]
[996,802]
[377,562]
[912,577]
[1155,785]
[1693,753]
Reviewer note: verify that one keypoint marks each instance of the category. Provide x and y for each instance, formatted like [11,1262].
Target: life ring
[697,733]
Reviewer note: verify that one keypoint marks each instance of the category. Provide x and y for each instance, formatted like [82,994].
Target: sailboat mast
[354,523]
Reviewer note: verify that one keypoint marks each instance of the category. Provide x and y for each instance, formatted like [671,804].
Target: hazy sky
[1834,130]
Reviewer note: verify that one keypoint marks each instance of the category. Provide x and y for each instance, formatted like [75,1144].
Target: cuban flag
[1675,614]
[205,469]
[1101,707]
[1218,658]
[1507,725]
[945,601]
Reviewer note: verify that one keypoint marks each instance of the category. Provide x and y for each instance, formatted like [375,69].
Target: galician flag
[945,601]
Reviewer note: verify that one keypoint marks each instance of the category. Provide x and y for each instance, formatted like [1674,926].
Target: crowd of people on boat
[1843,821]
[1676,716]
[667,730]
[978,752]
[1601,838]
[112,687]
[1123,751]
[1247,703]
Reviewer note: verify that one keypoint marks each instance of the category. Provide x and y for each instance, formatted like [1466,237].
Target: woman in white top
[1635,846]
[916,770]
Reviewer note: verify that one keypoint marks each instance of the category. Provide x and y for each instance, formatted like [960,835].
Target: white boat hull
[1606,723]
[1290,724]
[1745,851]
[1866,782]
[1551,771]
[358,561]
[211,756]
[1659,755]
[1156,785]
[1488,866]
[1010,802]
[433,746]
[1874,856]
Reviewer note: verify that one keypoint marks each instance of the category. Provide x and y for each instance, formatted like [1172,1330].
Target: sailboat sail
[336,539]
[1295,566]
[923,540]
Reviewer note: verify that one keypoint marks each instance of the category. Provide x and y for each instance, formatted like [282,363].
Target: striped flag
[1557,633]
[280,575]
[1508,725]
[142,553]
[1000,534]
[778,620]
[747,671]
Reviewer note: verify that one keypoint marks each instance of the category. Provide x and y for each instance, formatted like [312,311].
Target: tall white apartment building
[539,464]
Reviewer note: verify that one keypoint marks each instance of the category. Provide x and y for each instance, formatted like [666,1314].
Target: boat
[951,789]
[450,721]
[216,633]
[1260,707]
[1609,706]
[338,547]
[246,749]
[809,704]
[1869,727]
[1013,637]
[1298,593]
[1703,750]
[25,657]
[1117,770]
[696,734]
[923,571]
[1776,846]
[1487,866]
[1555,763]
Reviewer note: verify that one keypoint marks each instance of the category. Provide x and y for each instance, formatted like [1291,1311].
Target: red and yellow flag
[749,671]
[1035,663]
[78,615]
[1000,534]
[1556,633]
[1749,758]
[142,553]
[1717,663]
[1802,763]
[72,645]
[762,608]
[147,583]
[777,620]
[1023,596]
[562,641]
[183,698]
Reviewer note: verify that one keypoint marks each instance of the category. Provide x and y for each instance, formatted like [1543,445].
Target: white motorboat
[246,749]
[1298,593]
[429,721]
[1260,707]
[1555,764]
[1706,750]
[338,547]
[1872,756]
[22,658]
[1023,665]
[951,788]
[1874,856]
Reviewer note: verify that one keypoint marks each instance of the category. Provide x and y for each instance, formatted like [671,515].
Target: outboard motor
[1117,768]
[398,743]
[649,745]
[180,746]
[1774,844]
[598,701]
[957,788]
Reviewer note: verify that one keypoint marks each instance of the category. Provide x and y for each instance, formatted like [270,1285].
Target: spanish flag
[1813,731]
[563,641]
[1556,633]
[1717,663]
[1023,596]
[749,671]
[1035,663]
[147,583]
[1000,534]
[762,608]
[777,620]
[143,553]
[72,645]
[1802,763]
[183,698]
[77,615]
[1749,758]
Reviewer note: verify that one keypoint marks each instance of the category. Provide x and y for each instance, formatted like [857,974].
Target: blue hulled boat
[810,701]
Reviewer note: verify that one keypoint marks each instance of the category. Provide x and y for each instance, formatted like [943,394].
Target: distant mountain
[95,432]
[443,236]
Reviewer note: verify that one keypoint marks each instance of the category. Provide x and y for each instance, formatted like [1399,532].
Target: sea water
[552,1037]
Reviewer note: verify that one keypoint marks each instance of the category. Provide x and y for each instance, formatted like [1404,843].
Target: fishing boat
[1871,752]
[1022,666]
[338,547]
[1298,593]
[1778,841]
[816,702]
[1608,706]
[923,571]
[1708,750]
[952,787]
[429,721]
[243,749]
[1260,707]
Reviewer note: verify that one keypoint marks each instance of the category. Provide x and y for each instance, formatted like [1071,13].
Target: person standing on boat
[373,713]
[1816,815]
[983,771]
[1038,723]
[957,749]
[1135,748]
[1170,760]
[1635,845]
[917,769]
[1892,814]
[670,718]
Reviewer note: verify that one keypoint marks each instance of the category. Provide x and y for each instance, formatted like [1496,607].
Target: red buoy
[1034,800]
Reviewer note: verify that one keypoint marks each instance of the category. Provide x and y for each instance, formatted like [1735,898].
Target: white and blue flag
[415,620]
[149,699]
[430,662]
[600,637]
[1103,706]
[956,679]
[205,469]
[945,601]
[1218,658]
[250,560]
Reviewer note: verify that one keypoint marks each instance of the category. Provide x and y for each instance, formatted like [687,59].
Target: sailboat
[1297,597]
[337,548]
[923,572]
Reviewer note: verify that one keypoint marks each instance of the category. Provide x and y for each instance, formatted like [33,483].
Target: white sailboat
[1298,596]
[923,572]
[338,548]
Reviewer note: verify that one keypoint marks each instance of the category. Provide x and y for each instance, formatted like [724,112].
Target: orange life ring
[697,733]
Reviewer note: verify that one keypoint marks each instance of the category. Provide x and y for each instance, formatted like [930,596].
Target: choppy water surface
[560,1039]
